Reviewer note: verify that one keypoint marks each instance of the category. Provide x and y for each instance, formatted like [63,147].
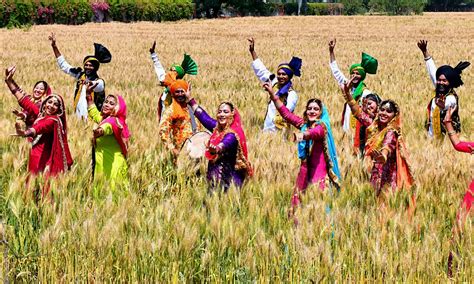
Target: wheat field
[166,228]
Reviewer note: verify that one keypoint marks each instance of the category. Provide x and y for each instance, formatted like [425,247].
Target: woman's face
[370,107]
[282,77]
[109,105]
[385,114]
[313,111]
[39,90]
[51,106]
[224,115]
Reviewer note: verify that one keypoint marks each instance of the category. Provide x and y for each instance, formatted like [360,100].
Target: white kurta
[263,75]
[341,80]
[450,99]
[160,74]
[81,107]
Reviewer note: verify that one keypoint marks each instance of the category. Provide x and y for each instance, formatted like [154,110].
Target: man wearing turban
[358,91]
[178,122]
[445,79]
[91,64]
[282,81]
[188,66]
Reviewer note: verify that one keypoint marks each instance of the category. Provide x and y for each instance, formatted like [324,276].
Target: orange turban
[178,84]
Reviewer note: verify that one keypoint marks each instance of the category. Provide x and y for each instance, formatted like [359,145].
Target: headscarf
[118,120]
[375,138]
[60,159]
[242,161]
[453,75]
[330,154]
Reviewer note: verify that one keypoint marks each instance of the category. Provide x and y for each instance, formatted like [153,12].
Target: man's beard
[441,89]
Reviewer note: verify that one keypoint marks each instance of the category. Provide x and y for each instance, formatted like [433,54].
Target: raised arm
[258,67]
[56,51]
[61,61]
[336,72]
[159,70]
[461,146]
[205,119]
[287,115]
[430,64]
[355,108]
[252,48]
[17,92]
[92,110]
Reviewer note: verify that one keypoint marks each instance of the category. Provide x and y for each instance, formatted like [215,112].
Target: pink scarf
[119,124]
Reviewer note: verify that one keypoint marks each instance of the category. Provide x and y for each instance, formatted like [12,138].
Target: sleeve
[228,142]
[100,86]
[292,100]
[165,129]
[449,102]
[44,126]
[94,114]
[293,119]
[260,70]
[431,68]
[316,133]
[159,70]
[463,146]
[107,129]
[28,106]
[206,120]
[66,68]
[390,141]
[337,74]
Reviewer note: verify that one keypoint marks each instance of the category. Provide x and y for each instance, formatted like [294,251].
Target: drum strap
[193,119]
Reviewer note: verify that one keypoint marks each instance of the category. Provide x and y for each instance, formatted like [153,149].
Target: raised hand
[267,86]
[251,44]
[19,114]
[19,130]
[152,49]
[52,38]
[423,46]
[9,72]
[332,45]
[98,132]
[187,94]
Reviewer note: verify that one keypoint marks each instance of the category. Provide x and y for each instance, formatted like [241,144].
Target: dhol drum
[191,156]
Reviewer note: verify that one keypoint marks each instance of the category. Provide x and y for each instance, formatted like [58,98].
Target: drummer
[227,147]
[178,122]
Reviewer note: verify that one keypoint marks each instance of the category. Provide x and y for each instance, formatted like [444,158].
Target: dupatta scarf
[117,119]
[330,154]
[242,162]
[375,137]
[60,159]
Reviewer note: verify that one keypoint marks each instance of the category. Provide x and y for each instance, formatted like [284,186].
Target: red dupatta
[242,161]
[60,159]
[117,120]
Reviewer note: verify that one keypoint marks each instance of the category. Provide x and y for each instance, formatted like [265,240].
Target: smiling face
[224,115]
[51,106]
[180,95]
[442,85]
[369,107]
[282,77]
[313,111]
[357,77]
[39,90]
[109,105]
[88,67]
[386,114]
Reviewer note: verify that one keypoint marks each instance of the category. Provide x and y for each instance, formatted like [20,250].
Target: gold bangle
[352,102]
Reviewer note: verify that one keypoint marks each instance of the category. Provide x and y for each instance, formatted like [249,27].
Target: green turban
[367,65]
[188,66]
[179,70]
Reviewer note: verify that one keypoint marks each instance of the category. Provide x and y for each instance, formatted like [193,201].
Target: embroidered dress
[111,148]
[395,172]
[320,165]
[231,165]
[49,153]
[273,121]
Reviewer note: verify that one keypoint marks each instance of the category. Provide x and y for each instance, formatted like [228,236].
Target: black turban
[453,75]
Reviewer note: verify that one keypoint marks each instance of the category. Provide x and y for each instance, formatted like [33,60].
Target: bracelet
[427,58]
[448,121]
[451,133]
[352,102]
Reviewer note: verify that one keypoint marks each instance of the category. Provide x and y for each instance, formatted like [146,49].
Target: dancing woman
[49,154]
[111,137]
[40,90]
[316,148]
[281,81]
[227,149]
[89,74]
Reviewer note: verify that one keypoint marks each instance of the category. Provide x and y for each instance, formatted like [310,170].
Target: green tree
[353,7]
[397,7]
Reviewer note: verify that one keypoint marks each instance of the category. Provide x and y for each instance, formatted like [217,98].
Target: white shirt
[263,75]
[160,74]
[81,108]
[450,99]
